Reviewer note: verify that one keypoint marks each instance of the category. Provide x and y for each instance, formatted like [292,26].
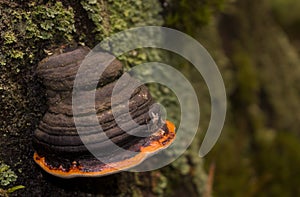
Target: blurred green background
[256,46]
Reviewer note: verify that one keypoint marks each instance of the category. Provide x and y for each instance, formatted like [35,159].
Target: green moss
[186,15]
[7,176]
[22,27]
[113,16]
[9,38]
[95,11]
[126,14]
[25,31]
[52,19]
[160,183]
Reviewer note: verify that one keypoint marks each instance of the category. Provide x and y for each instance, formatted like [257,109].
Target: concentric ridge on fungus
[59,149]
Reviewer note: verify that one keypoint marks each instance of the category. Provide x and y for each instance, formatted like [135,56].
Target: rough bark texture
[30,31]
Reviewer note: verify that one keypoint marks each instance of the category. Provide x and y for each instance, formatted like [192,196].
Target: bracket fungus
[59,149]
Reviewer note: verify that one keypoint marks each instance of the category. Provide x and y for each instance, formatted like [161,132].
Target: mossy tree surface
[29,32]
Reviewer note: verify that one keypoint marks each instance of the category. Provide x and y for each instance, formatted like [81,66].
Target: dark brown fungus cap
[59,149]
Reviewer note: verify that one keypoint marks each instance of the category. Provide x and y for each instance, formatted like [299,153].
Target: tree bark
[31,30]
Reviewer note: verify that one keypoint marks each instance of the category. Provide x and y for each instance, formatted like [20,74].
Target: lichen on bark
[31,30]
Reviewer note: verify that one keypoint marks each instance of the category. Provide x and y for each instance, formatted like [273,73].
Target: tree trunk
[30,31]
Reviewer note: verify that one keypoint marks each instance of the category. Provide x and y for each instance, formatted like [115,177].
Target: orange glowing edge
[165,139]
